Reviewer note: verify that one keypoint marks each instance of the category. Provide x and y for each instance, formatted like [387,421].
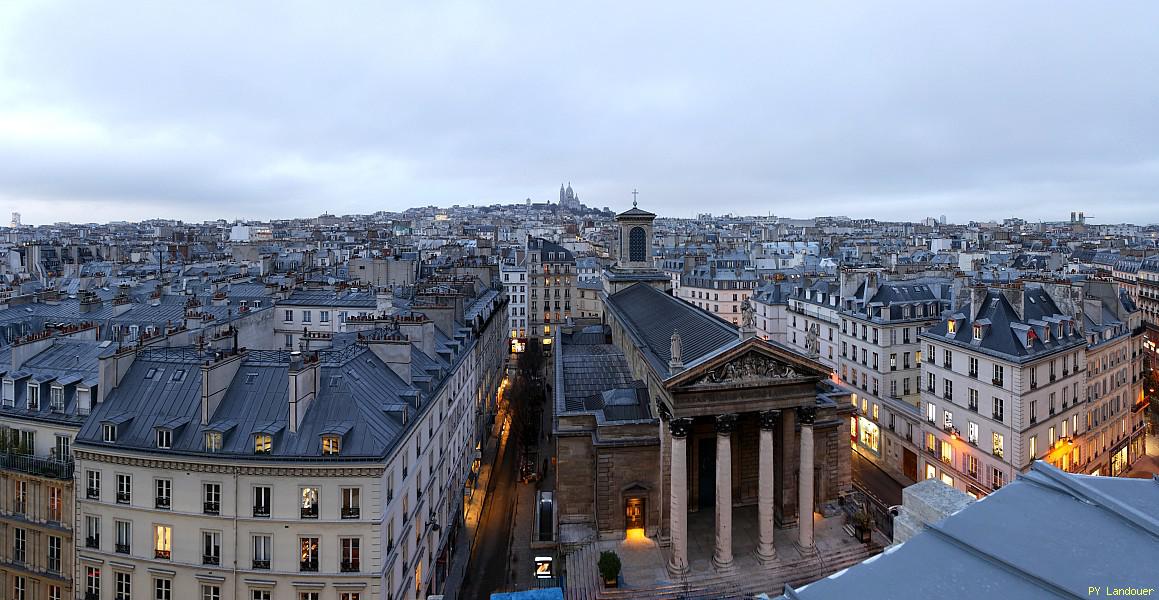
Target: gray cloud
[893,110]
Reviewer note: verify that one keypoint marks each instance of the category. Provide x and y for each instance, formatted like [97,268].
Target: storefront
[1119,461]
[869,435]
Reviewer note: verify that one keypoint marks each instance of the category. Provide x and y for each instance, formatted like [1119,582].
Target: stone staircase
[583,578]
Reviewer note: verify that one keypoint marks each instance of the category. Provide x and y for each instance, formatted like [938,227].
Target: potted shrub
[609,566]
[864,525]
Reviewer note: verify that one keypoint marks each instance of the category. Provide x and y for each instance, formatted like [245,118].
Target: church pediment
[751,364]
[750,368]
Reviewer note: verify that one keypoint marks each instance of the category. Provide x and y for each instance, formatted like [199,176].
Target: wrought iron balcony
[162,554]
[162,503]
[212,508]
[121,548]
[92,542]
[38,465]
[350,512]
[261,565]
[261,510]
[124,497]
[209,559]
[310,512]
[308,566]
[349,566]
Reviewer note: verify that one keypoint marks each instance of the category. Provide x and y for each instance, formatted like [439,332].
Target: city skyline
[897,112]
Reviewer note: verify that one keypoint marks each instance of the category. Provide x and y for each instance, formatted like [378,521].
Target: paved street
[488,568]
[877,482]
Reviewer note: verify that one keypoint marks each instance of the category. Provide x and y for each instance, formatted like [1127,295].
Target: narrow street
[487,569]
[868,476]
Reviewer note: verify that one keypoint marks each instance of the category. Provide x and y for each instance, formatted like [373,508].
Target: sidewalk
[522,576]
[473,507]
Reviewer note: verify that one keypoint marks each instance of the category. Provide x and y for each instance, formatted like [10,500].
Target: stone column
[678,476]
[766,500]
[722,557]
[806,415]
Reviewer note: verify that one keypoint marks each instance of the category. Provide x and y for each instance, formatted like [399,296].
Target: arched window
[637,245]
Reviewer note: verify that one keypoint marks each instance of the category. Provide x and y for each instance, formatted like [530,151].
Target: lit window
[331,444]
[162,542]
[263,443]
[212,441]
[951,327]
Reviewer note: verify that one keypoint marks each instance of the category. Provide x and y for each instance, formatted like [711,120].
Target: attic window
[951,327]
[250,378]
[335,380]
[178,375]
[164,439]
[263,443]
[109,432]
[1030,338]
[331,445]
[150,373]
[212,441]
[977,332]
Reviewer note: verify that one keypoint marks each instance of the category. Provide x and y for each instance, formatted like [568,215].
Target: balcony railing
[350,512]
[124,497]
[261,565]
[212,508]
[37,465]
[997,381]
[209,559]
[349,566]
[92,493]
[162,554]
[261,511]
[162,503]
[310,512]
[92,542]
[92,596]
[308,566]
[121,548]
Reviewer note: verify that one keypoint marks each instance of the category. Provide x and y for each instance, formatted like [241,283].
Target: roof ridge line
[1086,492]
[1043,584]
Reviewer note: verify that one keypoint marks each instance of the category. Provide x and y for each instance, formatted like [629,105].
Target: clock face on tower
[637,245]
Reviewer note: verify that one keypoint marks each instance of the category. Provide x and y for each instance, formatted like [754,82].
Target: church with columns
[667,416]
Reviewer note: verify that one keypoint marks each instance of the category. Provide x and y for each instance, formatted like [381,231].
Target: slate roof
[650,316]
[589,369]
[1048,534]
[163,388]
[330,298]
[1003,335]
[67,363]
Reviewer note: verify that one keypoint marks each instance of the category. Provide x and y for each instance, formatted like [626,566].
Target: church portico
[744,438]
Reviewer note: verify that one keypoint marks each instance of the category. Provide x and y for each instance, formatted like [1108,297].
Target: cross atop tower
[634,194]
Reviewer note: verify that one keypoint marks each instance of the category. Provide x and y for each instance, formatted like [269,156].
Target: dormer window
[213,441]
[56,399]
[1046,334]
[109,432]
[263,443]
[164,439]
[331,444]
[34,396]
[1030,338]
[951,327]
[1058,332]
[977,332]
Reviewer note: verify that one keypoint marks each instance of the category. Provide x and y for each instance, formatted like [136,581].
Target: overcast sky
[202,110]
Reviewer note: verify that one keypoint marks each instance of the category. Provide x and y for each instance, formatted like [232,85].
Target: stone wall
[623,471]
[575,480]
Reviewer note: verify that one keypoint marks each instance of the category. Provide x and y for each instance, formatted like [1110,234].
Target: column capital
[680,427]
[769,418]
[725,423]
[807,415]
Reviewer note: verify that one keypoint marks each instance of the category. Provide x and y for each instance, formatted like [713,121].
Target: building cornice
[299,470]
